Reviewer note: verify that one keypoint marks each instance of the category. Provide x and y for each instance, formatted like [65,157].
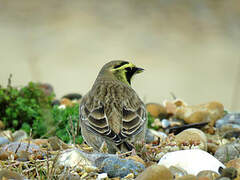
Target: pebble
[228,151]
[232,133]
[21,151]
[209,112]
[211,175]
[137,159]
[177,171]
[102,176]
[155,172]
[41,142]
[66,102]
[228,172]
[149,136]
[19,135]
[156,110]
[72,158]
[187,177]
[223,178]
[117,167]
[165,123]
[3,140]
[7,174]
[73,96]
[20,146]
[232,119]
[7,134]
[158,134]
[234,163]
[193,161]
[192,136]
[57,144]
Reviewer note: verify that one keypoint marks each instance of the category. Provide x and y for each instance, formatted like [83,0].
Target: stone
[165,123]
[117,167]
[7,174]
[7,134]
[72,158]
[192,136]
[212,148]
[102,176]
[209,112]
[156,110]
[177,171]
[19,135]
[66,102]
[232,119]
[4,140]
[149,137]
[20,146]
[211,175]
[155,172]
[158,134]
[228,151]
[136,158]
[193,161]
[57,144]
[41,142]
[234,163]
[73,96]
[228,172]
[233,133]
[223,178]
[187,177]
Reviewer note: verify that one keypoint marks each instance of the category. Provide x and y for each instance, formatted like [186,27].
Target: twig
[18,147]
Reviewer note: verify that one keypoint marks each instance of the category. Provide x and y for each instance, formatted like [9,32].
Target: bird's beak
[139,70]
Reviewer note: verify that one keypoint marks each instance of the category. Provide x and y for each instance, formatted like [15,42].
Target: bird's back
[113,95]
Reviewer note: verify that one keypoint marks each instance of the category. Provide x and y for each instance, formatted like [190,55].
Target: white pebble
[102,176]
[193,161]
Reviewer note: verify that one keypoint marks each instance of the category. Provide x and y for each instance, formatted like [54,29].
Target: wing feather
[96,121]
[133,121]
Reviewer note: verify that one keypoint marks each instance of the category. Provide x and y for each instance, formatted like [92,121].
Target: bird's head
[120,70]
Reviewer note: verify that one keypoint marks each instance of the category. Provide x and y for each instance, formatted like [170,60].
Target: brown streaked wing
[97,122]
[133,121]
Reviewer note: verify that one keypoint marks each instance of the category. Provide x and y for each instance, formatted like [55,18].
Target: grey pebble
[228,151]
[3,140]
[117,167]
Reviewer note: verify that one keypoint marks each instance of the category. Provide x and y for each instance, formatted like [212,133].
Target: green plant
[29,108]
[65,121]
[20,108]
[150,121]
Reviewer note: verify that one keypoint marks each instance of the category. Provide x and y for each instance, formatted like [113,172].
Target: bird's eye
[128,68]
[118,66]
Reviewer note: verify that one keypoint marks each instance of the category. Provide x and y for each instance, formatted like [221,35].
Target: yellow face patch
[124,67]
[125,72]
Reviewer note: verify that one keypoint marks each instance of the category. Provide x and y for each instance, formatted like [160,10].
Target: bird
[111,112]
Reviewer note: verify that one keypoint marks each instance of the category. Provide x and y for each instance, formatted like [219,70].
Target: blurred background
[190,47]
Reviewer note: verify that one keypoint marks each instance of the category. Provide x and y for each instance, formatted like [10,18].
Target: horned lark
[111,111]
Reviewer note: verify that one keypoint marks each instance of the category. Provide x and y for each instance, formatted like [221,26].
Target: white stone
[159,134]
[193,161]
[62,106]
[72,158]
[102,176]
